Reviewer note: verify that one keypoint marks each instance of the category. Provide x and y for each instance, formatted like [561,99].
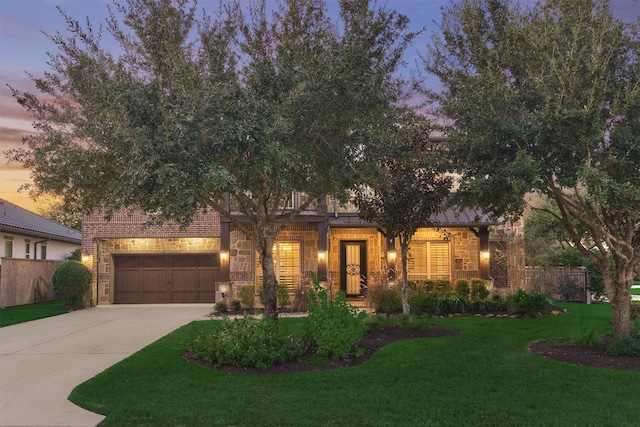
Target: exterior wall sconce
[224,256]
[85,258]
[224,290]
[485,255]
[322,255]
[392,255]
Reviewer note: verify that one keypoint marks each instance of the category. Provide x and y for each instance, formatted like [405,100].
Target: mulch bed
[563,351]
[372,342]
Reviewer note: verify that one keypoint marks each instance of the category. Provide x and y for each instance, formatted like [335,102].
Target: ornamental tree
[408,188]
[545,98]
[193,112]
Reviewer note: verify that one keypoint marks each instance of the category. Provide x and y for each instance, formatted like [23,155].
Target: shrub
[625,345]
[385,300]
[75,255]
[247,296]
[70,280]
[462,287]
[589,337]
[246,342]
[479,290]
[423,301]
[236,305]
[301,296]
[283,296]
[221,307]
[442,287]
[526,302]
[453,304]
[333,328]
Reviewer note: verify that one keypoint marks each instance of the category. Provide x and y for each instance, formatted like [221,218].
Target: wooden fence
[560,283]
[26,281]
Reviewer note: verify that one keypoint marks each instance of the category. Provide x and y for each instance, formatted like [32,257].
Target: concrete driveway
[42,361]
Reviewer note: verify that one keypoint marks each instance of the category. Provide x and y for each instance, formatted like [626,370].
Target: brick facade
[126,234]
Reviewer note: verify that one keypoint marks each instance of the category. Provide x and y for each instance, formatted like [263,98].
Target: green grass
[485,376]
[635,291]
[26,313]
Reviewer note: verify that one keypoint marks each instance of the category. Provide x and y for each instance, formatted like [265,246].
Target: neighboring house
[31,247]
[26,235]
[135,264]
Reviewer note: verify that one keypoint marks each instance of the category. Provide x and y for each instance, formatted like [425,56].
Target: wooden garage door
[148,279]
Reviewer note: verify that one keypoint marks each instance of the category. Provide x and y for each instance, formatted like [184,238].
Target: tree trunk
[269,280]
[618,292]
[404,249]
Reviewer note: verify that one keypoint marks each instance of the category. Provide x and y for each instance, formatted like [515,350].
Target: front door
[353,267]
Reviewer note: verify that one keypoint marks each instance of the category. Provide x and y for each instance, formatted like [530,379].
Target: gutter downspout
[35,248]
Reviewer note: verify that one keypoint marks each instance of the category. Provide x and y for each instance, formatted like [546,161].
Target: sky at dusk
[24,47]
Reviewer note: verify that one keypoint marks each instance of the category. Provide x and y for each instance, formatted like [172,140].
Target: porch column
[225,246]
[484,253]
[322,251]
[392,257]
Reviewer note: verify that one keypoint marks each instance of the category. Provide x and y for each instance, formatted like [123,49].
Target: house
[31,248]
[136,264]
[26,235]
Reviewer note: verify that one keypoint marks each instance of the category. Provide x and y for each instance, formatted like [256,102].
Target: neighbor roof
[14,219]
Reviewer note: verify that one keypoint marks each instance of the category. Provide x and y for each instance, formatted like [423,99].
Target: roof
[14,219]
[451,217]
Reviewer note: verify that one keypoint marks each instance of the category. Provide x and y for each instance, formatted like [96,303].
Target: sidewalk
[42,361]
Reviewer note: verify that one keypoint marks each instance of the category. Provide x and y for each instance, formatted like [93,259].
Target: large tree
[408,188]
[230,111]
[546,98]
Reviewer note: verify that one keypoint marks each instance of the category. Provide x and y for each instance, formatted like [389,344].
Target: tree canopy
[192,109]
[409,188]
[546,98]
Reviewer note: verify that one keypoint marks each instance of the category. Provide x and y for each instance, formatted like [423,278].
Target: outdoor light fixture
[485,255]
[322,255]
[392,255]
[85,258]
[224,256]
[223,289]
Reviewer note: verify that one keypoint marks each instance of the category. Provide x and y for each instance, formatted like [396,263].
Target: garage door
[147,279]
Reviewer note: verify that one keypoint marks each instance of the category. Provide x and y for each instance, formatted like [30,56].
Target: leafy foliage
[462,287]
[624,345]
[245,342]
[231,112]
[527,302]
[408,189]
[333,327]
[544,98]
[70,280]
[384,299]
[283,296]
[479,290]
[247,296]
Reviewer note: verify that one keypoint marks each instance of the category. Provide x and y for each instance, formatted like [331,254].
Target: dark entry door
[353,267]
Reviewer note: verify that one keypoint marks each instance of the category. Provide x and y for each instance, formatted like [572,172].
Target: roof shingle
[17,220]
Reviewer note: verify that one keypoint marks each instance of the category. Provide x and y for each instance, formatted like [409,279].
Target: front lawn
[26,313]
[485,376]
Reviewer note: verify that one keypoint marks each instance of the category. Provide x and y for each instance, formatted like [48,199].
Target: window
[43,252]
[286,260]
[429,260]
[27,249]
[289,202]
[8,248]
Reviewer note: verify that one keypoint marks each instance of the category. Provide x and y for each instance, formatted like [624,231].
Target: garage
[162,279]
